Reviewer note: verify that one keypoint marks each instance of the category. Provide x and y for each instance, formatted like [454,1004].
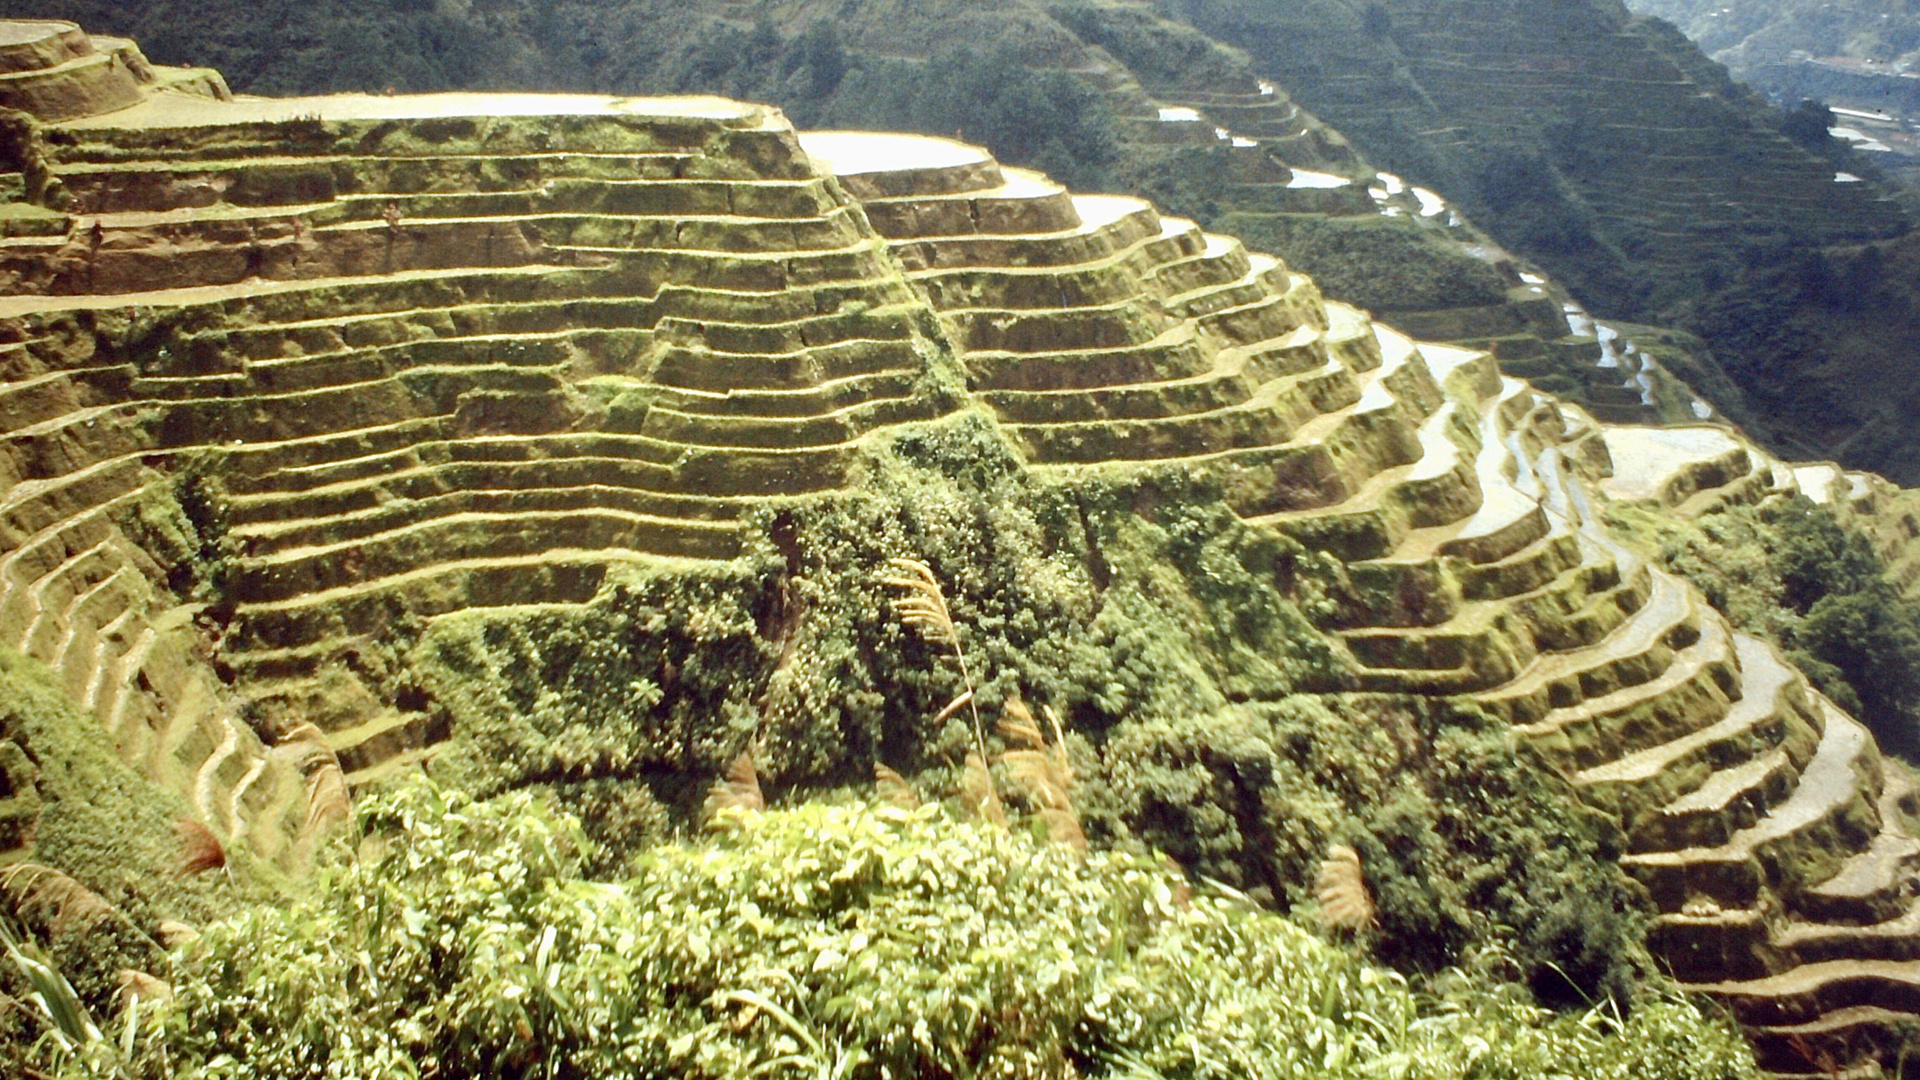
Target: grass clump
[825,940]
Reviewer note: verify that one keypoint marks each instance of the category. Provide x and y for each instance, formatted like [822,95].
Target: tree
[1807,124]
[823,57]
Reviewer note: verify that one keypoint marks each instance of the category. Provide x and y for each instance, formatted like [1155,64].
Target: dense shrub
[1466,845]
[828,940]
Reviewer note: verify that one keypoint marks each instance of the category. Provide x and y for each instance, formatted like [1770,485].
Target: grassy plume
[739,790]
[977,794]
[200,849]
[923,607]
[44,898]
[1043,772]
[1345,903]
[329,801]
[894,789]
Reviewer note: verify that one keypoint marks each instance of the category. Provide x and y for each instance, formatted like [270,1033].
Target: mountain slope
[1752,36]
[1601,145]
[564,442]
[1083,91]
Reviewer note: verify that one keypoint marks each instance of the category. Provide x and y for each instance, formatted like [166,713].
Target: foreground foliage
[825,940]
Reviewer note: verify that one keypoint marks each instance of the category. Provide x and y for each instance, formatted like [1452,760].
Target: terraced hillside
[1172,115]
[1604,146]
[295,384]
[1756,38]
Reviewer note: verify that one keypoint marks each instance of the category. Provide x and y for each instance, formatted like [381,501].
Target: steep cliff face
[561,441]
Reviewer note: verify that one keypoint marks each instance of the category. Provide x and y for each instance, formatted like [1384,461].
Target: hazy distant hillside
[1746,35]
[1605,146]
[1611,150]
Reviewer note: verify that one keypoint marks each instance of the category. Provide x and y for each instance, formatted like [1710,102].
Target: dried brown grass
[42,897]
[923,607]
[200,850]
[329,801]
[174,933]
[894,788]
[1341,887]
[1044,772]
[138,985]
[739,790]
[977,794]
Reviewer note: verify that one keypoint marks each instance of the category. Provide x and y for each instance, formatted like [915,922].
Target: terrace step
[1699,788]
[1830,811]
[1816,1048]
[1875,889]
[468,534]
[1435,488]
[366,606]
[1488,643]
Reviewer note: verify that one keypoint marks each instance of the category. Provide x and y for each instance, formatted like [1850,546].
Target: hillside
[1756,38]
[556,447]
[1610,151]
[1602,145]
[1625,223]
[1106,96]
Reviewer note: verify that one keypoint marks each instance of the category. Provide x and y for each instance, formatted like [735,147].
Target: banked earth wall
[399,358]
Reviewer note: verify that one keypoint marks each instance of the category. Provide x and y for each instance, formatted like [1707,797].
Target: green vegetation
[85,836]
[1177,644]
[1465,846]
[1794,575]
[825,940]
[1384,264]
[1753,37]
[1820,341]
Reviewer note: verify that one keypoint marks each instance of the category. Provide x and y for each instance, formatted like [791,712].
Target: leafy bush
[830,940]
[1466,845]
[1794,574]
